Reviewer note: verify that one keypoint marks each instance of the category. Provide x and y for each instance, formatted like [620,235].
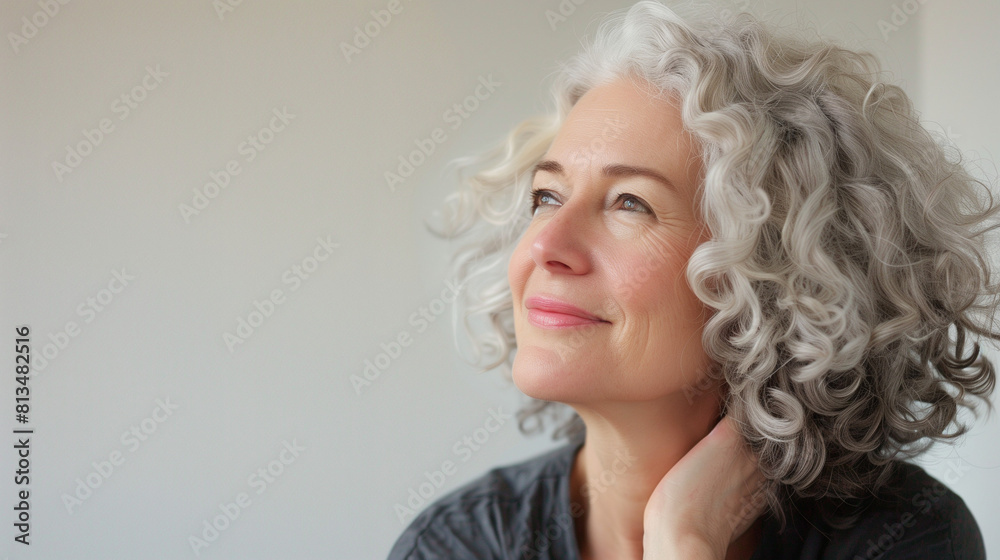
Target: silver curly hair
[847,264]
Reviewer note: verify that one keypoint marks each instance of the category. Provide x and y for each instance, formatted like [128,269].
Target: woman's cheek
[649,266]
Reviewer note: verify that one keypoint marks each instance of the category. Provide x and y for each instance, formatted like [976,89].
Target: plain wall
[236,411]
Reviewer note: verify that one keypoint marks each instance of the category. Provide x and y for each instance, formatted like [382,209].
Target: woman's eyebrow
[619,170]
[610,170]
[549,165]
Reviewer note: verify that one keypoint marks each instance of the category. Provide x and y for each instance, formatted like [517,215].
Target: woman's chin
[543,374]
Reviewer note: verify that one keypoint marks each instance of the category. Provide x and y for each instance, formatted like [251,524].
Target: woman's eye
[633,203]
[629,202]
[540,197]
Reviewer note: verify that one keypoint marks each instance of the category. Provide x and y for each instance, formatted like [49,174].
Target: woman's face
[613,230]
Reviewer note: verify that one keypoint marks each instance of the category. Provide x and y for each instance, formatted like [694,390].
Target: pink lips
[548,312]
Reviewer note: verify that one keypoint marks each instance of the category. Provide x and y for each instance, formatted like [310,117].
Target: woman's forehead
[624,122]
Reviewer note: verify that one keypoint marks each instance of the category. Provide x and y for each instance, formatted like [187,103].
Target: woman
[722,221]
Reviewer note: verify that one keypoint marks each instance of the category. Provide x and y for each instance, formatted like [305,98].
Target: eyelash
[538,193]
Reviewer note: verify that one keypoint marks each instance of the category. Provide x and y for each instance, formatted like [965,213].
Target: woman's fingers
[711,496]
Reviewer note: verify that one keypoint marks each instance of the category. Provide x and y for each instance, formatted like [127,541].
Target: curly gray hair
[847,259]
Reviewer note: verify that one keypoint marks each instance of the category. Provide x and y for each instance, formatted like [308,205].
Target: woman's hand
[706,501]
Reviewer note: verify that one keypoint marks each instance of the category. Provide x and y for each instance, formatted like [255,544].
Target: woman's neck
[628,449]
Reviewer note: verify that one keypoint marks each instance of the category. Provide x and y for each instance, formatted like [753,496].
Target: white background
[161,337]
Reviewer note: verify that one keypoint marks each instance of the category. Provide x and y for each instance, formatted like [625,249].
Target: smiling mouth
[551,319]
[549,313]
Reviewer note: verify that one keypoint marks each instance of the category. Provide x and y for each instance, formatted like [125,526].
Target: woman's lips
[549,319]
[547,312]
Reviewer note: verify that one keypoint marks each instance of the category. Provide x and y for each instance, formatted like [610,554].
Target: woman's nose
[561,244]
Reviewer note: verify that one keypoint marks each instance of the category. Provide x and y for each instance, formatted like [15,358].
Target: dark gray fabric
[523,512]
